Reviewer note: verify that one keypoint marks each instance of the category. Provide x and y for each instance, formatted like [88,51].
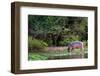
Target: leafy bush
[36,44]
[30,42]
[44,44]
[49,42]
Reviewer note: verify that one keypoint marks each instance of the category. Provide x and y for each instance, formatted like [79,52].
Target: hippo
[75,45]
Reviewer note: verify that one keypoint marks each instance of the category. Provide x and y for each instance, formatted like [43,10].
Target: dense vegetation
[50,31]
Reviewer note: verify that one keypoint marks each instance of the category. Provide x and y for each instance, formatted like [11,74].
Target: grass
[36,56]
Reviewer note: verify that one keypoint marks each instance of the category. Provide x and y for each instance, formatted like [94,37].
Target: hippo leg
[71,50]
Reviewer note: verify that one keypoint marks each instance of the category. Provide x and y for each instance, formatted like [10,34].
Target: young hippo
[74,45]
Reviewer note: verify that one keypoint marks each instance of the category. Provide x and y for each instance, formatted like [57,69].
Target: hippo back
[76,44]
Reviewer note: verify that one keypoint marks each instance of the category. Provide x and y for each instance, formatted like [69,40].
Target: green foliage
[36,44]
[49,41]
[36,56]
[40,26]
[85,43]
[30,42]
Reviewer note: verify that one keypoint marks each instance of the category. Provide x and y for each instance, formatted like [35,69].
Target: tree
[56,28]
